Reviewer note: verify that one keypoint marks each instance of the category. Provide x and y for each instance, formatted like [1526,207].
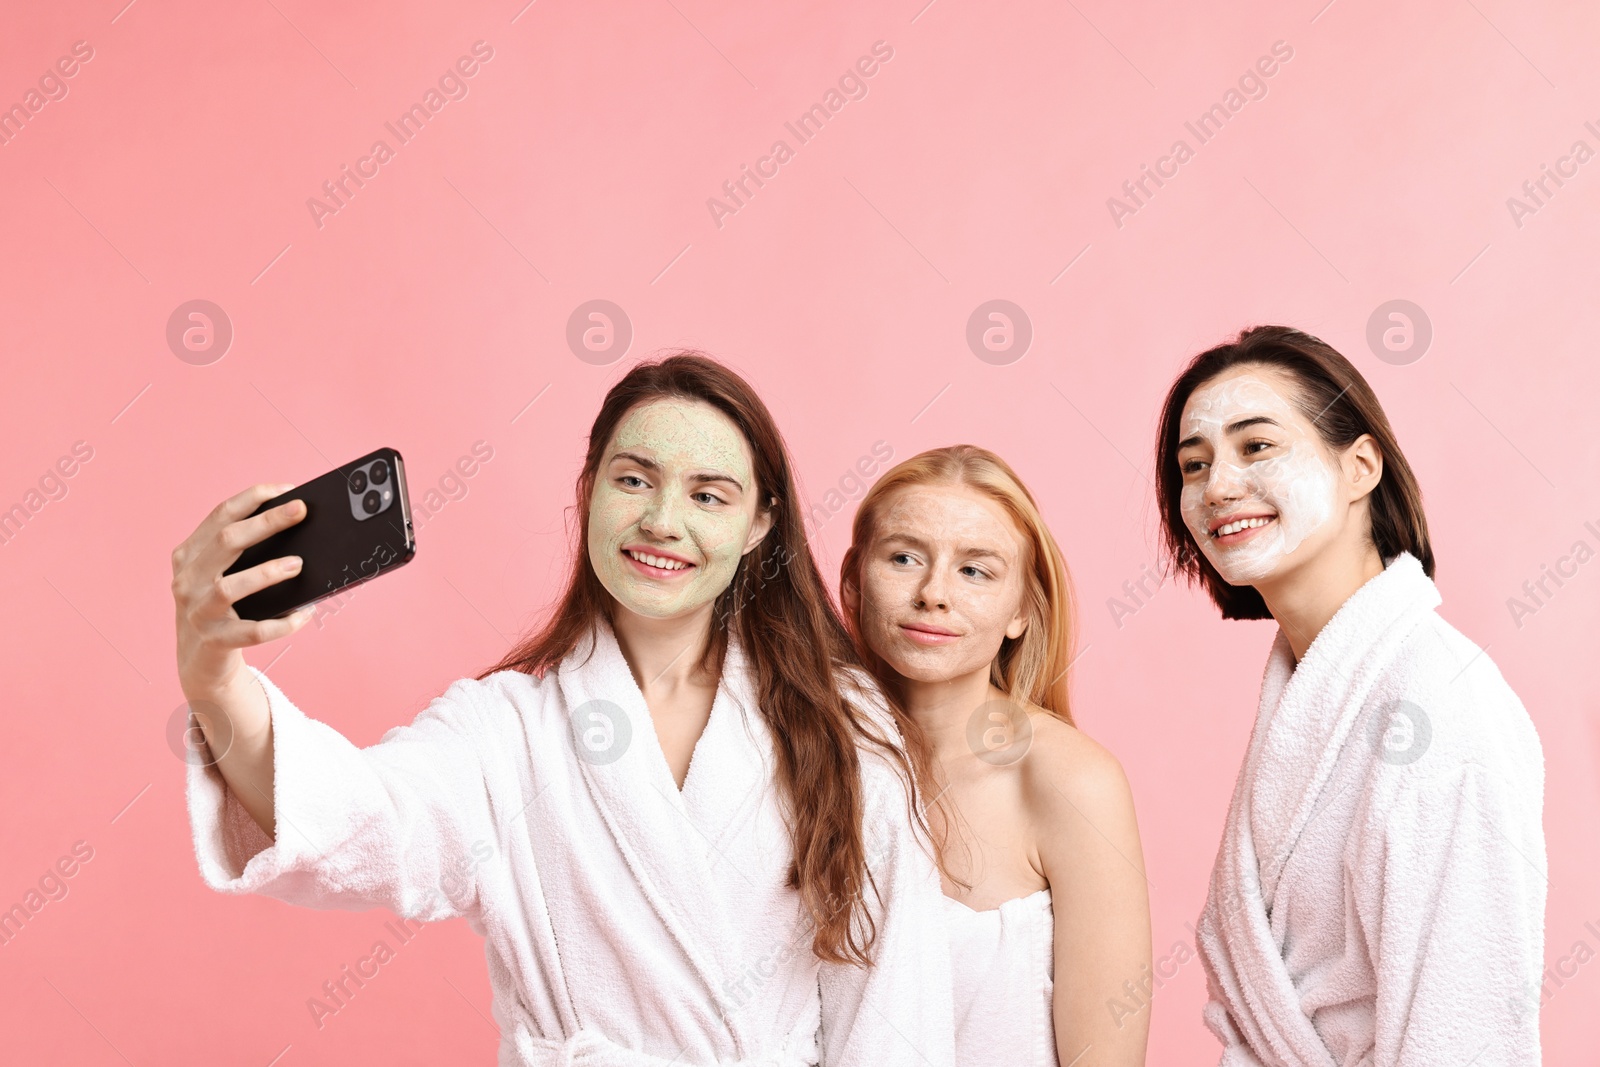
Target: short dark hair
[1340,404]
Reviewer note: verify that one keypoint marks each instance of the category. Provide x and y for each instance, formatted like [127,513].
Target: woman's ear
[1362,464]
[759,529]
[849,596]
[1019,623]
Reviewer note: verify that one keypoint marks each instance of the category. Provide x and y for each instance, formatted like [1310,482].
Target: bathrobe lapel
[672,842]
[1304,722]
[1307,712]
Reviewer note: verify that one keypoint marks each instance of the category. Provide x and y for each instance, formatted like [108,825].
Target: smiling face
[1261,492]
[674,508]
[941,582]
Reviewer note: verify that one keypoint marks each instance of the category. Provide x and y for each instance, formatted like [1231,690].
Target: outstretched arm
[229,724]
[284,805]
[403,824]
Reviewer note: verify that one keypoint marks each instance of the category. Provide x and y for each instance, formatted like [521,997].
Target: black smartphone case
[338,550]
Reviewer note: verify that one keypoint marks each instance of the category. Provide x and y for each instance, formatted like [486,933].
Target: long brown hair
[1340,404]
[1031,668]
[796,645]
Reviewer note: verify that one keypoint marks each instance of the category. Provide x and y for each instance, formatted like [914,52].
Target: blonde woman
[960,604]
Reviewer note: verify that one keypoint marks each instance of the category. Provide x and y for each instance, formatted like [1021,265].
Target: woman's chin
[1240,575]
[656,611]
[1241,568]
[927,665]
[655,604]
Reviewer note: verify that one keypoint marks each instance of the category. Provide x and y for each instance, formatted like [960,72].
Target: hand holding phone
[210,634]
[251,571]
[357,526]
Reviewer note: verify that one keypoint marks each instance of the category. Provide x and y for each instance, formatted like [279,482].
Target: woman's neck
[664,654]
[944,709]
[1307,597]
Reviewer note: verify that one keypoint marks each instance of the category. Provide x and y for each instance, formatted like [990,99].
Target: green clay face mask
[673,508]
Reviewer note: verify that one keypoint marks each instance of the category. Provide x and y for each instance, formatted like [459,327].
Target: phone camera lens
[372,502]
[358,481]
[380,472]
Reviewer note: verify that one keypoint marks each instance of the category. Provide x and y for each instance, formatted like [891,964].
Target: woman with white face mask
[674,812]
[960,604]
[1378,898]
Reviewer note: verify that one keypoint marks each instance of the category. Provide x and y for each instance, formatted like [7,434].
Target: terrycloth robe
[1379,894]
[626,924]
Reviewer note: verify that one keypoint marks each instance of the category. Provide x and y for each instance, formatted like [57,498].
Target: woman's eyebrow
[905,538]
[1232,428]
[646,463]
[716,476]
[972,552]
[638,460]
[1253,420]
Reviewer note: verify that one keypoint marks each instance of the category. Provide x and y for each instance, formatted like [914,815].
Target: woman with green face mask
[678,813]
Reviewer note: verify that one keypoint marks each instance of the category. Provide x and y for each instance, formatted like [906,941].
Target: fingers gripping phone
[357,526]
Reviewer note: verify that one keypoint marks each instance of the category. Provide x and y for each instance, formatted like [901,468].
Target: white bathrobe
[1379,894]
[626,924]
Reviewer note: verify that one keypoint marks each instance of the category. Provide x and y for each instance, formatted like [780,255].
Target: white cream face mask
[1251,507]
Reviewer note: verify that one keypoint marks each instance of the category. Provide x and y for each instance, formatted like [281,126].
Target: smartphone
[357,526]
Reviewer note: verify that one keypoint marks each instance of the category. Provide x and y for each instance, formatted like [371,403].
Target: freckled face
[941,582]
[674,507]
[1260,491]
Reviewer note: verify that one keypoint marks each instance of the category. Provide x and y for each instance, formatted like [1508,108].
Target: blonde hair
[1032,667]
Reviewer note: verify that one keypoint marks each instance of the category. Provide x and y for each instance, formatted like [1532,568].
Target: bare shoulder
[1068,777]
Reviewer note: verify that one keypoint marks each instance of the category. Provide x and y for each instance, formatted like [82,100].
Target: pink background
[432,308]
